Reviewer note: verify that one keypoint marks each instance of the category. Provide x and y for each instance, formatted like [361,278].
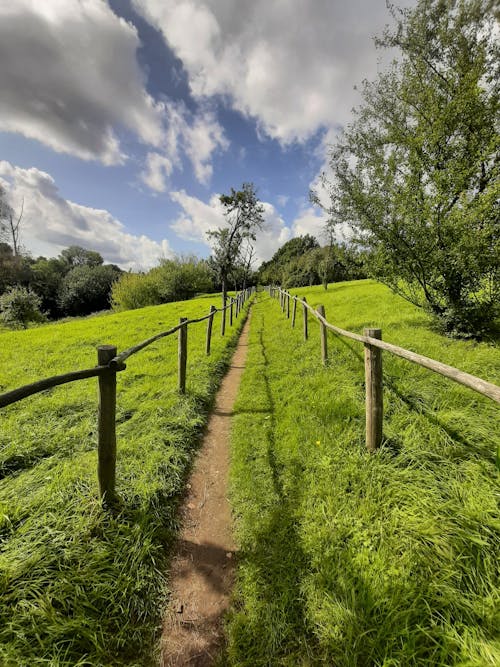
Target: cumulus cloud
[197,137]
[290,64]
[51,223]
[70,78]
[198,217]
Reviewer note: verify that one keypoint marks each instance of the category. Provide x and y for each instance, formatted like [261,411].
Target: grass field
[79,586]
[351,559]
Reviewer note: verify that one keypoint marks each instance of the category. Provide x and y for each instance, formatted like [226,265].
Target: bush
[173,280]
[19,306]
[87,289]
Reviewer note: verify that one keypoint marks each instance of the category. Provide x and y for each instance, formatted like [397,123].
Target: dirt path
[202,572]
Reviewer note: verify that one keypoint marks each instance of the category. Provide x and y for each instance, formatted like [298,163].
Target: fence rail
[373,343]
[109,363]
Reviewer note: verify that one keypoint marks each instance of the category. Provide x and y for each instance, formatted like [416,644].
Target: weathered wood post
[223,318]
[322,328]
[288,306]
[182,355]
[210,322]
[306,333]
[106,425]
[294,311]
[231,301]
[374,391]
[237,304]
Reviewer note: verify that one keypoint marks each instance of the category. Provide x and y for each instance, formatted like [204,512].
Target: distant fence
[372,340]
[109,363]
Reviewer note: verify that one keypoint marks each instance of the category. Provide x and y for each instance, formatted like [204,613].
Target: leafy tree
[46,280]
[77,256]
[244,216]
[19,306]
[276,270]
[87,289]
[416,173]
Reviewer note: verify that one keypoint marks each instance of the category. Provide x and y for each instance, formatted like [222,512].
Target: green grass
[78,585]
[353,559]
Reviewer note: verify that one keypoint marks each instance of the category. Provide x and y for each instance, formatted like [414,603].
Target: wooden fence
[109,363]
[373,344]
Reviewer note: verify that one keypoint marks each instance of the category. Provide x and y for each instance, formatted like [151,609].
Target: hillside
[79,585]
[348,558]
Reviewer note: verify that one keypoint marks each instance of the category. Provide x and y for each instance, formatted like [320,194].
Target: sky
[122,121]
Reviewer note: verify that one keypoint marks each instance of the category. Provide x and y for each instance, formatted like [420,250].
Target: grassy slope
[349,559]
[77,585]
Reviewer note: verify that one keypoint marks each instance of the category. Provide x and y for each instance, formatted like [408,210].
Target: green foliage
[417,172]
[80,586]
[244,216]
[78,256]
[271,272]
[19,307]
[173,280]
[347,558]
[46,276]
[302,262]
[86,288]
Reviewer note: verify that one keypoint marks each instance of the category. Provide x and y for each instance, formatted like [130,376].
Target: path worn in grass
[202,570]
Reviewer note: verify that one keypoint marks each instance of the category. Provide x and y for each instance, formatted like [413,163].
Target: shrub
[19,306]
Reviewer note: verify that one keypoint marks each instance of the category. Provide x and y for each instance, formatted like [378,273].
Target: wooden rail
[109,363]
[373,343]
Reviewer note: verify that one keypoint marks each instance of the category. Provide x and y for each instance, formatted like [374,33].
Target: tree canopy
[416,172]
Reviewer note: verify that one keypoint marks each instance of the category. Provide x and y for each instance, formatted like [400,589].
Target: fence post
[182,355]
[106,425]
[305,318]
[231,311]
[223,318]
[210,322]
[237,306]
[324,346]
[288,306]
[374,391]
[294,311]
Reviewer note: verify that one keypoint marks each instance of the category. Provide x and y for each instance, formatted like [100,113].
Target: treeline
[77,282]
[302,262]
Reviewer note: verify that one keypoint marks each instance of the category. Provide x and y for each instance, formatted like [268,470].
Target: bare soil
[202,572]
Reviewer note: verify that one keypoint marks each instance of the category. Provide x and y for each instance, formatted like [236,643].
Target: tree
[87,289]
[416,173]
[78,256]
[244,215]
[10,223]
[277,269]
[19,306]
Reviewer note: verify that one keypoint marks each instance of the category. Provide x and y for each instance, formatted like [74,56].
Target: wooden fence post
[106,425]
[324,346]
[210,322]
[223,319]
[294,311]
[306,333]
[288,306]
[182,355]
[231,300]
[374,391]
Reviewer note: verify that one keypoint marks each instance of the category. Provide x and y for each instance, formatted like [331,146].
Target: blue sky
[122,121]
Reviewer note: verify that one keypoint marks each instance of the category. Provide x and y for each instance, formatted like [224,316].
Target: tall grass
[348,558]
[78,585]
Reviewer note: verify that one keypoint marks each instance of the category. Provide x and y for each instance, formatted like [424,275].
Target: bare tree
[10,223]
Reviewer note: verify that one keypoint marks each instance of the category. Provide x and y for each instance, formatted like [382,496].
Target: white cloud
[198,217]
[290,64]
[310,221]
[51,223]
[196,136]
[158,168]
[69,78]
